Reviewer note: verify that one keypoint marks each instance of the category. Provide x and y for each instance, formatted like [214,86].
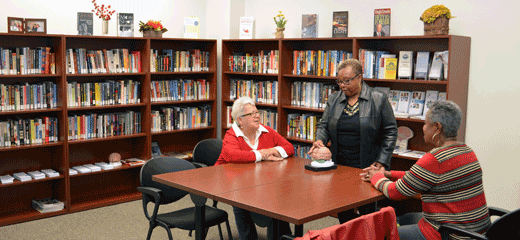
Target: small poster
[382,22]
[125,24]
[191,27]
[85,23]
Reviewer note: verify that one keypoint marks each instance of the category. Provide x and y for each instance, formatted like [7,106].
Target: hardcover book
[340,24]
[85,23]
[382,22]
[191,27]
[125,24]
[309,25]
[247,27]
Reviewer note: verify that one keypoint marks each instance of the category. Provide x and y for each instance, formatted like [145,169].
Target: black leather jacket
[377,123]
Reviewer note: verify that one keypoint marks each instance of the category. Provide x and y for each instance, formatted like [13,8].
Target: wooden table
[281,190]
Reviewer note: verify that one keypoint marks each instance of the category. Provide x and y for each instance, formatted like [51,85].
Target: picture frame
[36,25]
[15,25]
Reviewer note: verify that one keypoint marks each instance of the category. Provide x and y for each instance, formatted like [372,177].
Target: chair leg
[298,230]
[150,230]
[169,234]
[220,232]
[189,234]
[229,230]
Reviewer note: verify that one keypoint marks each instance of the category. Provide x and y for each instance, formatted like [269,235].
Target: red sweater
[449,180]
[236,150]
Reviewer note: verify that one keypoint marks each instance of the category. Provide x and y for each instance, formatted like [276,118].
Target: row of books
[318,62]
[24,177]
[259,91]
[94,125]
[169,60]
[265,61]
[302,125]
[413,104]
[109,92]
[181,117]
[302,150]
[268,117]
[385,65]
[24,61]
[47,205]
[120,60]
[17,132]
[15,97]
[311,94]
[179,90]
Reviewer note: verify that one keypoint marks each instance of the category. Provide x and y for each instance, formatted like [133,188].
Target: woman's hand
[316,145]
[369,172]
[270,154]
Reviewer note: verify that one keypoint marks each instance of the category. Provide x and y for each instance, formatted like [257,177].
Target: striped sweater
[449,179]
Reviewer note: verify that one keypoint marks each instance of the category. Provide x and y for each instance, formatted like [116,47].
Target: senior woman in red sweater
[248,141]
[449,179]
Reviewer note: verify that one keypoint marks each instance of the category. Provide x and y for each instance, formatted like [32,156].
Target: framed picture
[15,25]
[36,25]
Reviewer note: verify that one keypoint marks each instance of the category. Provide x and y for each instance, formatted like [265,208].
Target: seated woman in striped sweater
[449,179]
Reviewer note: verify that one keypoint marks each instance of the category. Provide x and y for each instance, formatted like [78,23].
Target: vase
[279,32]
[438,27]
[152,33]
[104,27]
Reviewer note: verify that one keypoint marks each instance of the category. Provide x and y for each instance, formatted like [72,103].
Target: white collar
[239,132]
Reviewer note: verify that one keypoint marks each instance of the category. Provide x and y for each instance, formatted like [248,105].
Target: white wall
[492,128]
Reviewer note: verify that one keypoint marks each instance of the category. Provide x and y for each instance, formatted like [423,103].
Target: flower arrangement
[437,11]
[152,25]
[102,11]
[280,20]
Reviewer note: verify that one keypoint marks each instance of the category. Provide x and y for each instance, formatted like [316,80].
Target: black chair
[161,194]
[206,152]
[505,227]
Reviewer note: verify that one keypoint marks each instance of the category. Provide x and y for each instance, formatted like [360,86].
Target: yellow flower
[436,11]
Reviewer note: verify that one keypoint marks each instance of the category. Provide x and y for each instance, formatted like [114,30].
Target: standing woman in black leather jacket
[359,122]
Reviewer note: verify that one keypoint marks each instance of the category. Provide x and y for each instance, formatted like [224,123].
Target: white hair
[238,106]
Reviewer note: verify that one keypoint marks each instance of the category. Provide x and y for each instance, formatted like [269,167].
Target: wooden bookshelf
[106,187]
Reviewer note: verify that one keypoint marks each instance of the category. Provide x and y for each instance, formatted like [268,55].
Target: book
[405,64]
[393,98]
[72,171]
[390,68]
[340,24]
[133,162]
[436,69]
[309,25]
[422,65]
[82,169]
[247,28]
[6,179]
[191,27]
[47,205]
[382,22]
[22,176]
[444,55]
[381,64]
[50,173]
[104,165]
[36,175]
[85,23]
[417,103]
[125,24]
[404,101]
[431,96]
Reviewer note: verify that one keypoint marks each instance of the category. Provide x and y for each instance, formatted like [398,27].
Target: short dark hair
[352,63]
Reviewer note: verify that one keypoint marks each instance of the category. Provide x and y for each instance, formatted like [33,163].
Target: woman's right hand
[315,145]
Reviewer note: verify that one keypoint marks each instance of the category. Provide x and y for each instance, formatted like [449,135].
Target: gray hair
[238,106]
[448,114]
[352,63]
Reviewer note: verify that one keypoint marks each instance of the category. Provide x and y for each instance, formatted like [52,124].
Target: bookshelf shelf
[86,191]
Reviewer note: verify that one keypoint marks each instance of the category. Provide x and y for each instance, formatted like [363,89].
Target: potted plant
[280,24]
[152,28]
[436,20]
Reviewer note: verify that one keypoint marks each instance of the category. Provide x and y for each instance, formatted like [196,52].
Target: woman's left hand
[369,172]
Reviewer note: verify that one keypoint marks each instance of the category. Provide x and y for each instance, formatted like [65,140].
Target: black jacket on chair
[377,125]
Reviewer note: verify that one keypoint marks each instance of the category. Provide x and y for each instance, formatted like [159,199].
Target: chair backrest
[164,165]
[207,151]
[505,227]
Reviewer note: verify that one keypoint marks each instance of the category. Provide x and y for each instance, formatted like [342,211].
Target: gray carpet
[123,221]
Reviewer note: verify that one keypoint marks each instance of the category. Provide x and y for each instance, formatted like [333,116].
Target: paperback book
[85,23]
[417,103]
[191,27]
[340,24]
[422,65]
[247,28]
[125,24]
[47,205]
[309,25]
[382,22]
[405,64]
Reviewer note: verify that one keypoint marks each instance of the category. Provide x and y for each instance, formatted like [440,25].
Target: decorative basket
[441,26]
[152,33]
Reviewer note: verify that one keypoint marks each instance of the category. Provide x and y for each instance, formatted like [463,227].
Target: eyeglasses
[251,114]
[346,82]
